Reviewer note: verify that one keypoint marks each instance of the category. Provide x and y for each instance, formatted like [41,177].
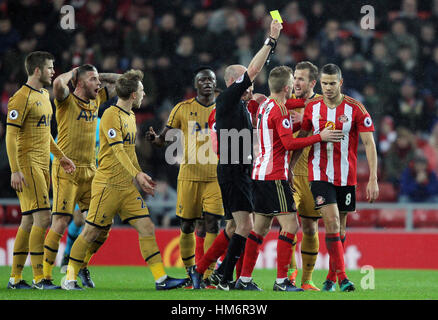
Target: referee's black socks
[235,249]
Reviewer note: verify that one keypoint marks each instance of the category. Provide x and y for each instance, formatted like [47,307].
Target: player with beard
[332,167]
[199,195]
[272,194]
[29,143]
[76,115]
[305,77]
[115,187]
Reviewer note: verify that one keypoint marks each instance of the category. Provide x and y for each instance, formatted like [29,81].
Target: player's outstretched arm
[60,84]
[371,153]
[257,63]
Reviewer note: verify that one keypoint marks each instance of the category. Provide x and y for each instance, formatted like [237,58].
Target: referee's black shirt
[231,113]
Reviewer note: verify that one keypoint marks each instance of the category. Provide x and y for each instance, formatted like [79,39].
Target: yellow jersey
[77,120]
[31,110]
[301,168]
[199,160]
[117,160]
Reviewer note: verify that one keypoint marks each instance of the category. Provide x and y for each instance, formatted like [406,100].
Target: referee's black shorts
[273,197]
[237,195]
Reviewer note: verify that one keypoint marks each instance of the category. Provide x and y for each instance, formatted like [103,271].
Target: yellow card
[276,16]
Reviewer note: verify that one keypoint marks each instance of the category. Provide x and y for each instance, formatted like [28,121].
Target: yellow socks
[21,250]
[187,244]
[77,255]
[152,256]
[209,239]
[51,245]
[293,262]
[309,253]
[95,246]
[36,248]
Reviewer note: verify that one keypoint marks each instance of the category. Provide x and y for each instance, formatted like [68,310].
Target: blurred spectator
[108,36]
[9,37]
[401,153]
[329,40]
[218,20]
[373,102]
[431,74]
[429,146]
[312,53]
[12,63]
[294,24]
[244,53]
[427,43]
[345,51]
[387,135]
[409,14]
[90,15]
[255,19]
[316,19]
[282,56]
[406,62]
[142,41]
[202,38]
[418,183]
[226,41]
[168,34]
[185,63]
[149,85]
[355,72]
[399,36]
[410,109]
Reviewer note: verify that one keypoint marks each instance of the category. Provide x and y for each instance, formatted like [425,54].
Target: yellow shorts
[35,197]
[196,198]
[107,201]
[303,198]
[69,189]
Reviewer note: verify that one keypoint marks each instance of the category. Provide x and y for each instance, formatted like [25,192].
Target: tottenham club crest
[13,115]
[112,133]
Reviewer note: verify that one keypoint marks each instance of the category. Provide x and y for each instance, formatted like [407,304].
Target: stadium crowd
[392,69]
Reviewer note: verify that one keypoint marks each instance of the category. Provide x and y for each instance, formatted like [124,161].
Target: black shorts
[273,197]
[326,193]
[237,195]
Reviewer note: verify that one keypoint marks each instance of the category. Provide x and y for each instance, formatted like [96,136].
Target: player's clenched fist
[275,29]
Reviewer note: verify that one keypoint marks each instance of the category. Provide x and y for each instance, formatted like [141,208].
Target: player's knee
[42,219]
[212,224]
[230,228]
[310,227]
[187,226]
[26,223]
[90,233]
[60,223]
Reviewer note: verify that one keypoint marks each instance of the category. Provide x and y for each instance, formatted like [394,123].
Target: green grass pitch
[136,283]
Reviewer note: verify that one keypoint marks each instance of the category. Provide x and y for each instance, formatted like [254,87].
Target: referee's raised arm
[257,63]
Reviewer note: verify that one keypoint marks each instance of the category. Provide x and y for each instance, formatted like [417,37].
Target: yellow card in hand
[276,16]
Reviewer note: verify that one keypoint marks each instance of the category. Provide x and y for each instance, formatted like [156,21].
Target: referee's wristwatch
[271,42]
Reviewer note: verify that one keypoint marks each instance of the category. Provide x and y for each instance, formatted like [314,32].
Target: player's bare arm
[60,84]
[257,63]
[371,153]
[108,80]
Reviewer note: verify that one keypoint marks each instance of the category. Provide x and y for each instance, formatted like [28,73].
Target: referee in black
[235,157]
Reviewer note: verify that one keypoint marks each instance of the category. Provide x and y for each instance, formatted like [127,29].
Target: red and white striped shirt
[336,162]
[275,140]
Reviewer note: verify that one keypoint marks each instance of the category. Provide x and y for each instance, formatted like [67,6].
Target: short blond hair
[279,78]
[127,83]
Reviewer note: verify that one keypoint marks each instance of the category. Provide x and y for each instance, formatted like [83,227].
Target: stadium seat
[2,215]
[365,218]
[391,218]
[363,172]
[425,218]
[361,192]
[387,192]
[13,214]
